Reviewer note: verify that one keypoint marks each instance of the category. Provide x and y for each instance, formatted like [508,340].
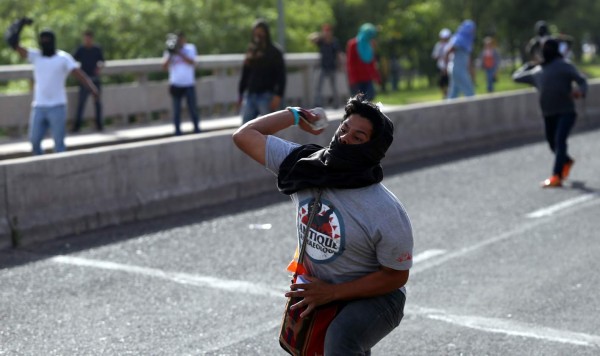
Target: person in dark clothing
[331,53]
[554,79]
[262,83]
[542,33]
[91,58]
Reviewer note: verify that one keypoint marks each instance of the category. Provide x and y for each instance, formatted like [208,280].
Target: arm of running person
[582,86]
[525,74]
[86,81]
[251,138]
[318,292]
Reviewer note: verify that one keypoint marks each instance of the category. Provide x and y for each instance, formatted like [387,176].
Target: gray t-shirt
[355,232]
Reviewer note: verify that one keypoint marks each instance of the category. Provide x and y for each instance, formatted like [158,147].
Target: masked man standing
[50,70]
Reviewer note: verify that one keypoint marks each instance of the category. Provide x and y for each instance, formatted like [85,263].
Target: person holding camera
[180,60]
[51,67]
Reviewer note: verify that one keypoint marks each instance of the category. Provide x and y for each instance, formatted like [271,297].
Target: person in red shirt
[360,62]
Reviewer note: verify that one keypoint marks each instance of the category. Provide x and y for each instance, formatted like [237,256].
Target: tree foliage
[137,28]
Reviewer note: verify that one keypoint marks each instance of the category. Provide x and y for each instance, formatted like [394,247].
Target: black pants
[83,95]
[558,128]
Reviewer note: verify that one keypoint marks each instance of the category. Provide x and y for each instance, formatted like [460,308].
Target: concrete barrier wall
[59,194]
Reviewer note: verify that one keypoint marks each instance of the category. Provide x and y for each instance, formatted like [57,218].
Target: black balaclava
[340,166]
[550,51]
[541,28]
[47,42]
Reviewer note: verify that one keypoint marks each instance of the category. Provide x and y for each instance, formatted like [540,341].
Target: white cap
[445,33]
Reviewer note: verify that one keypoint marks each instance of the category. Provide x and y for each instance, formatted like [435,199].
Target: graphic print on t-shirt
[326,236]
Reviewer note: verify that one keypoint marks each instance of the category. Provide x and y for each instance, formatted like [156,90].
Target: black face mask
[340,166]
[47,43]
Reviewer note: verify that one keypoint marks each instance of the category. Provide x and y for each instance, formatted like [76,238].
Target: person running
[553,79]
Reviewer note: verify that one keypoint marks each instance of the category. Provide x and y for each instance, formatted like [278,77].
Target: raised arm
[525,74]
[251,138]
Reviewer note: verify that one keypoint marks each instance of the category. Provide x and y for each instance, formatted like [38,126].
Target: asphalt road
[502,267]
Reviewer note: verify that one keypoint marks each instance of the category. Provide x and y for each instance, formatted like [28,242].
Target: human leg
[37,129]
[334,92]
[550,125]
[98,106]
[563,127]
[177,113]
[57,118]
[362,323]
[489,76]
[249,107]
[82,98]
[193,107]
[263,103]
[319,88]
[463,81]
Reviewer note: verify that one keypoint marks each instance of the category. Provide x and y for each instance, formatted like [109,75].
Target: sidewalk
[15,148]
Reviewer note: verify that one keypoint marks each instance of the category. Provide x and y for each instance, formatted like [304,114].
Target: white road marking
[547,211]
[182,278]
[428,264]
[504,236]
[427,254]
[237,336]
[512,328]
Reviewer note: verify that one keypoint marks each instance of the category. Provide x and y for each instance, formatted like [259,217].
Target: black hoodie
[264,68]
[553,79]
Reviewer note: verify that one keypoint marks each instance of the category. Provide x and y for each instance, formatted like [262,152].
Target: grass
[422,92]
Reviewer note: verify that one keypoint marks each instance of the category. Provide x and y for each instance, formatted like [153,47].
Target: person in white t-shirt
[180,60]
[49,107]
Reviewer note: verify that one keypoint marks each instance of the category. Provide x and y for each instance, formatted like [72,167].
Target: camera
[172,43]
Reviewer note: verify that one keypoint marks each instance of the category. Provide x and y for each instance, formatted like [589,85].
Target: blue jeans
[255,105]
[362,323]
[490,77]
[190,95]
[330,75]
[460,78]
[558,128]
[366,88]
[47,117]
[83,95]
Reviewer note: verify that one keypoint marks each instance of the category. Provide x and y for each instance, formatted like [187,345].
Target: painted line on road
[181,278]
[531,224]
[511,328]
[427,254]
[237,336]
[550,210]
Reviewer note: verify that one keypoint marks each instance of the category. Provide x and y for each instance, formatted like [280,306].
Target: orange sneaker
[567,168]
[552,182]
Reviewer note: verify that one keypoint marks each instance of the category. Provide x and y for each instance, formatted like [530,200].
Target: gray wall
[54,195]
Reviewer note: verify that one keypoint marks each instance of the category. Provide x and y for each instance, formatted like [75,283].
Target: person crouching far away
[365,253]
